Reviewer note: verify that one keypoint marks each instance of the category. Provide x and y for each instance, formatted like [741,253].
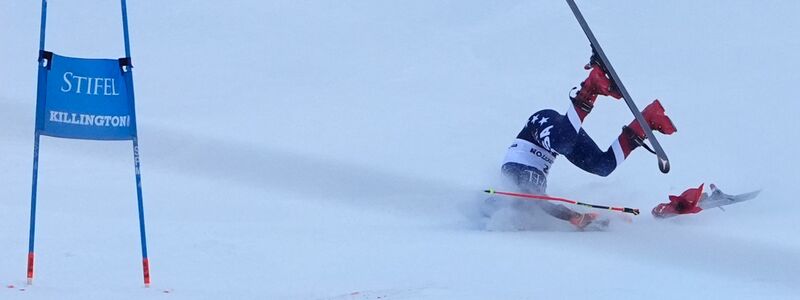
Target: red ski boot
[596,84]
[686,203]
[633,135]
[655,117]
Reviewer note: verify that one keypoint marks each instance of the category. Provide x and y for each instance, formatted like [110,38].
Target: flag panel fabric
[86,99]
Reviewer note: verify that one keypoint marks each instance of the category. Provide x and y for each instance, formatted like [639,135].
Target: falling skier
[548,134]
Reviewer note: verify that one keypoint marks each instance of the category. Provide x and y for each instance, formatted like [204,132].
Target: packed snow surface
[339,149]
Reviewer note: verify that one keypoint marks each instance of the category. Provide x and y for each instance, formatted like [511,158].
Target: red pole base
[30,268]
[146,269]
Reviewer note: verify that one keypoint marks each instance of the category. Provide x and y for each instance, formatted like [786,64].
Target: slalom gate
[89,99]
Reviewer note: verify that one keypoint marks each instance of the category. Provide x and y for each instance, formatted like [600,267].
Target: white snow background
[338,150]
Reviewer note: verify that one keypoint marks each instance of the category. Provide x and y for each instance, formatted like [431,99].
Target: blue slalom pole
[33,207]
[145,261]
[125,29]
[42,26]
[137,167]
[40,93]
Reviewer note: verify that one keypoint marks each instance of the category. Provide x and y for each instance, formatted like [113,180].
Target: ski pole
[634,211]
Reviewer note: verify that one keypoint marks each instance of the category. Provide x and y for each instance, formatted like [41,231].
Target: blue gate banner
[85,99]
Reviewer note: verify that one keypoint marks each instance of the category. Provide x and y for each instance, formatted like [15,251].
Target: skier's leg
[567,128]
[580,149]
[583,152]
[561,212]
[564,137]
[532,180]
[566,141]
[557,210]
[588,156]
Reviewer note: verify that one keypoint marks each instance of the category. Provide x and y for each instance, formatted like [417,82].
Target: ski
[705,201]
[597,53]
[720,199]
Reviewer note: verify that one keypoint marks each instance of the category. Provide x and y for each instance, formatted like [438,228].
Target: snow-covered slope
[338,149]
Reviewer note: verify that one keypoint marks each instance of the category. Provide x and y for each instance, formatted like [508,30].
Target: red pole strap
[634,211]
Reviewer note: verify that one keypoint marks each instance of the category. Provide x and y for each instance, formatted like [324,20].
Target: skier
[548,134]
